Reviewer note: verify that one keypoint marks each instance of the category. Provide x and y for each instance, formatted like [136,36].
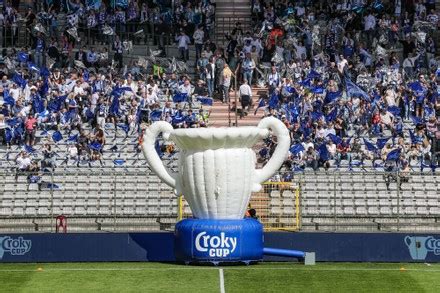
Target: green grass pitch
[262,277]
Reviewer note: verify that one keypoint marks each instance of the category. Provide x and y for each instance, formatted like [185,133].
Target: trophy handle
[150,152]
[280,153]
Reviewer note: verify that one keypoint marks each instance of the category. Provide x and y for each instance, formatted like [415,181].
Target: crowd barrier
[159,247]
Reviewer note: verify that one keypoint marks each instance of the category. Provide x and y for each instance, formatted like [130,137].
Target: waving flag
[315,115]
[155,115]
[56,104]
[324,155]
[354,90]
[297,148]
[394,155]
[336,139]
[22,57]
[118,91]
[73,138]
[96,146]
[313,74]
[371,147]
[19,80]
[205,101]
[33,67]
[8,100]
[29,149]
[57,136]
[261,104]
[394,110]
[119,162]
[45,72]
[318,90]
[124,127]
[332,96]
[114,107]
[332,115]
[179,98]
[381,142]
[274,100]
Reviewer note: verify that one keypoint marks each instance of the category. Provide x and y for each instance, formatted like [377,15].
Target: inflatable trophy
[216,176]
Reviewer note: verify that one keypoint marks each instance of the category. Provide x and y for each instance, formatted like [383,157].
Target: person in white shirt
[198,37]
[182,42]
[245,97]
[14,92]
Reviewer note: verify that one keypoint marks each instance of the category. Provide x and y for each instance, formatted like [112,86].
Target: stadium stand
[345,157]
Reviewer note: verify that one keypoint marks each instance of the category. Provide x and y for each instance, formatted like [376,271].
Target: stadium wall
[159,247]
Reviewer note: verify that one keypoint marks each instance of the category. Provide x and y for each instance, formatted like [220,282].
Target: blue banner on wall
[97,247]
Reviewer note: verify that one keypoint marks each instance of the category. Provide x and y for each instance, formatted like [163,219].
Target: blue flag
[155,115]
[394,155]
[336,139]
[313,74]
[124,127]
[323,152]
[33,67]
[332,96]
[56,104]
[45,72]
[96,146]
[57,136]
[315,115]
[381,142]
[22,57]
[371,147]
[353,90]
[274,100]
[261,104]
[19,80]
[179,98]
[73,138]
[114,107]
[118,91]
[205,101]
[297,148]
[332,115]
[119,162]
[8,100]
[318,90]
[394,110]
[29,149]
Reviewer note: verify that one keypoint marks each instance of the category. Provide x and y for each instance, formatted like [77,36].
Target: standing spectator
[245,97]
[199,37]
[118,50]
[183,42]
[227,77]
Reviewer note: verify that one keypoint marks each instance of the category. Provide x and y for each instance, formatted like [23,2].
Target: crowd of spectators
[60,88]
[354,81]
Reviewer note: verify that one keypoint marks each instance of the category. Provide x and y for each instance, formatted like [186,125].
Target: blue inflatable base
[218,241]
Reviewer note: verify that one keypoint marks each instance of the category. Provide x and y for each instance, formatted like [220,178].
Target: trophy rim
[217,137]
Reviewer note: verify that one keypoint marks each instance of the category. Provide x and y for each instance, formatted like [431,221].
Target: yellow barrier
[277,206]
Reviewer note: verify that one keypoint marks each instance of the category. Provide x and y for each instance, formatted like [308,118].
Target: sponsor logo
[419,246]
[215,246]
[14,246]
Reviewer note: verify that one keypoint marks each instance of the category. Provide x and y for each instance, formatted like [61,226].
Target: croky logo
[419,246]
[14,246]
[215,246]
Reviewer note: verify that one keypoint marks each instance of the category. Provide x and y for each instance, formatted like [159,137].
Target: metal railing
[123,199]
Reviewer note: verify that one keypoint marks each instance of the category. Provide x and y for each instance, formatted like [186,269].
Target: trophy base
[218,241]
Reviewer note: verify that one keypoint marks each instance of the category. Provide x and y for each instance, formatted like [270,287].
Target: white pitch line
[207,268]
[222,281]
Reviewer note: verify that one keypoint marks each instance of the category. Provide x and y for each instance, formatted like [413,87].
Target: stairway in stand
[220,112]
[227,13]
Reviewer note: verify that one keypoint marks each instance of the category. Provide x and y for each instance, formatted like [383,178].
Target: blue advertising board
[96,247]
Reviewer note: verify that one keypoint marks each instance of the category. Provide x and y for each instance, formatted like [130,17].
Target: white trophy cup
[217,165]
